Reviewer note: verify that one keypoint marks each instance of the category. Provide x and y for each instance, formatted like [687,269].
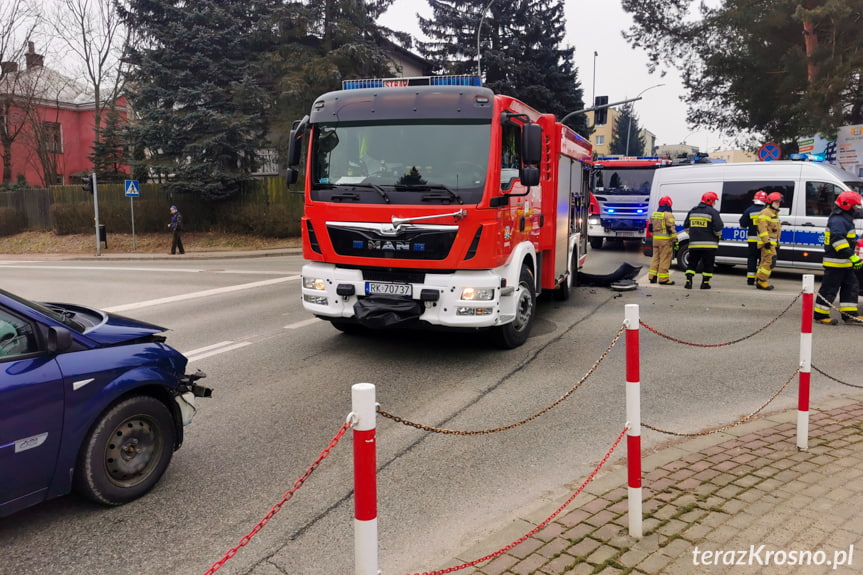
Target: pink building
[46,124]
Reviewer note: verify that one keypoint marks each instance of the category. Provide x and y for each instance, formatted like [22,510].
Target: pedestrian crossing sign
[133,189]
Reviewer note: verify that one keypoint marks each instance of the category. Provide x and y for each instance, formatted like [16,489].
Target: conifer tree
[627,129]
[109,153]
[520,51]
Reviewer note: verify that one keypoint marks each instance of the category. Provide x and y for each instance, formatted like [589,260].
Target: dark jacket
[704,226]
[840,239]
[749,221]
[177,222]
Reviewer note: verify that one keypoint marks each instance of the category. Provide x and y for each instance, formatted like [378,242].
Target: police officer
[704,226]
[769,231]
[840,261]
[664,237]
[749,222]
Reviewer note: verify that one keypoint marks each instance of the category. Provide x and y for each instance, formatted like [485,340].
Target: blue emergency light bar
[807,157]
[627,158]
[459,80]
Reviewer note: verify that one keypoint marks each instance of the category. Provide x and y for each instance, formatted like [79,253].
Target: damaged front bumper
[189,389]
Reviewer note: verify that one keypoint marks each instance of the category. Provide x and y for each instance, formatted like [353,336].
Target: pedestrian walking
[176,226]
[769,232]
[664,237]
[840,262]
[703,224]
[749,222]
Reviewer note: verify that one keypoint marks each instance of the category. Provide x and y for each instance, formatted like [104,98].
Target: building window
[600,140]
[53,138]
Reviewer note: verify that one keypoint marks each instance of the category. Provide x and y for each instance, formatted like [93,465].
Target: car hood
[106,328]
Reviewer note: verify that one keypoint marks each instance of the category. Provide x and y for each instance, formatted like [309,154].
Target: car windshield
[414,163]
[623,182]
[55,313]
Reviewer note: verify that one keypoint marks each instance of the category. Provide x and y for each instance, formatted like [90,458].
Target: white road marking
[210,350]
[303,323]
[199,294]
[161,270]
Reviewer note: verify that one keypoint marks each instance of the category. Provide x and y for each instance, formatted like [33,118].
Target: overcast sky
[621,72]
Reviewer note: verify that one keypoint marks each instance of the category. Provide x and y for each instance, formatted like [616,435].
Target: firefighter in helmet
[664,237]
[840,262]
[749,222]
[769,230]
[704,226]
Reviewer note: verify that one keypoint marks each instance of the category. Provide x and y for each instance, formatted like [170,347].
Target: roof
[45,84]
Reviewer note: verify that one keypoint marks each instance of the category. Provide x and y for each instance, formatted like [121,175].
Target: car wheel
[682,257]
[126,452]
[596,243]
[516,332]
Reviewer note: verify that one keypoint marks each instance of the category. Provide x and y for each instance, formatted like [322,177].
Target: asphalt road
[282,389]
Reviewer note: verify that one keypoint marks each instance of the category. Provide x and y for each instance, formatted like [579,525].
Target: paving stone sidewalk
[710,504]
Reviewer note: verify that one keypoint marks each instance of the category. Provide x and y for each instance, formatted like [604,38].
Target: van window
[820,197]
[737,196]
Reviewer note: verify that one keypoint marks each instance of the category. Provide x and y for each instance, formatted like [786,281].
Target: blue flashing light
[458,80]
[807,157]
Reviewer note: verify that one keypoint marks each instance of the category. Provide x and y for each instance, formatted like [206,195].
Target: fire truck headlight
[314,283]
[477,294]
[594,221]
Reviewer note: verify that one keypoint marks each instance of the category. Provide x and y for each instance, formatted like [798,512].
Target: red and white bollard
[633,417]
[805,362]
[365,480]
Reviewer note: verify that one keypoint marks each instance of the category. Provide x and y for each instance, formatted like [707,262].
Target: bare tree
[18,22]
[95,36]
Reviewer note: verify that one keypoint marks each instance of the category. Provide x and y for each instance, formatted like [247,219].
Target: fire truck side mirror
[291,176]
[529,176]
[531,144]
[298,128]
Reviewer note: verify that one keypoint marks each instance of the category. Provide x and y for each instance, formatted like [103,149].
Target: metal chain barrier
[756,332]
[743,419]
[432,429]
[842,314]
[830,377]
[288,495]
[542,525]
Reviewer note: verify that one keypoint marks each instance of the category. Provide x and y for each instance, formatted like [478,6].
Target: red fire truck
[435,202]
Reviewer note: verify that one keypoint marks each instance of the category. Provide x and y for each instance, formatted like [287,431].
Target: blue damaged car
[89,401]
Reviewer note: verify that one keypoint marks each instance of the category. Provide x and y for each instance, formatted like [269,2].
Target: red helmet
[760,196]
[709,198]
[847,200]
[774,197]
[665,201]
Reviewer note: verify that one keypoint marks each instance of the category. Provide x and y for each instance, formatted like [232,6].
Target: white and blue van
[809,188]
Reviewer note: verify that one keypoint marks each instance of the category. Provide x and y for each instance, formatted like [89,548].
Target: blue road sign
[133,189]
[769,152]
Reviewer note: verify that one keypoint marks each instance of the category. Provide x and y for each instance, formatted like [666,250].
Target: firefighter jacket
[769,227]
[662,225]
[840,238]
[749,222]
[704,226]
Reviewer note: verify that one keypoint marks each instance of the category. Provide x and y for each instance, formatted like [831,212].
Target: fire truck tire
[564,290]
[516,332]
[596,243]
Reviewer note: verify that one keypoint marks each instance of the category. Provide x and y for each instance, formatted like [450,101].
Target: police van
[809,189]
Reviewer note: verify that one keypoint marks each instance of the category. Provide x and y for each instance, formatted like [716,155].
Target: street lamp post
[593,95]
[478,29]
[629,125]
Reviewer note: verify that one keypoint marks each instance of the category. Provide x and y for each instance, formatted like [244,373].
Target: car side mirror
[59,339]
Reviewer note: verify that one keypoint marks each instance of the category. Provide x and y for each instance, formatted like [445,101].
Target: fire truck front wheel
[596,243]
[516,332]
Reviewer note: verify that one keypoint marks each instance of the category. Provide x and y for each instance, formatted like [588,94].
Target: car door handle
[809,224]
[789,223]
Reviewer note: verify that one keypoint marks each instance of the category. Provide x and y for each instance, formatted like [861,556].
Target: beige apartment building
[602,136]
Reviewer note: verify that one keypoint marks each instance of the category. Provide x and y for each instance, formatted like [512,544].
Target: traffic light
[600,115]
[87,182]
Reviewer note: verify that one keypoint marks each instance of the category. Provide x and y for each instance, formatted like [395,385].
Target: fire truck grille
[409,245]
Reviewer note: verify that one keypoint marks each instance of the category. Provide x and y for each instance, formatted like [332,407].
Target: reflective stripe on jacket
[704,226]
[840,239]
[749,221]
[769,227]
[662,226]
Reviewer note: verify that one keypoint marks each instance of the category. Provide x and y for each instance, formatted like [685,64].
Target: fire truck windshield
[412,163]
[623,181]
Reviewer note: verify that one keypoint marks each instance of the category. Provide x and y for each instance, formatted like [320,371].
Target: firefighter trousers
[753,256]
[707,258]
[842,281]
[662,251]
[768,260]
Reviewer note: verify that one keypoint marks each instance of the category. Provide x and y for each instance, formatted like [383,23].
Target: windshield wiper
[451,195]
[375,187]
